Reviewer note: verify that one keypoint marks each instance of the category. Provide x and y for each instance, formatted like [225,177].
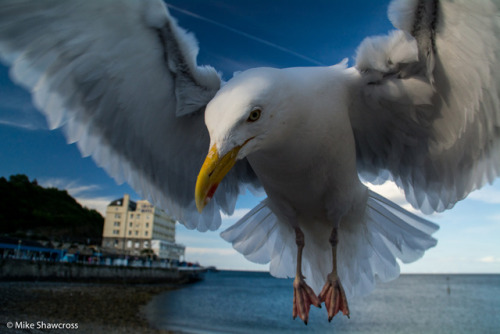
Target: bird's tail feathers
[368,247]
[261,238]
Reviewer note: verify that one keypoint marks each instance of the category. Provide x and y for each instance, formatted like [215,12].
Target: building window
[146,233]
[138,216]
[147,224]
[136,232]
[117,224]
[129,232]
[131,215]
[117,215]
[129,244]
[130,224]
[116,242]
[137,244]
[116,232]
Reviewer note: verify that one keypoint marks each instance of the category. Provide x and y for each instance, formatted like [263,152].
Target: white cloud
[489,259]
[392,192]
[98,203]
[228,221]
[238,214]
[22,124]
[80,192]
[73,187]
[17,111]
[212,251]
[490,195]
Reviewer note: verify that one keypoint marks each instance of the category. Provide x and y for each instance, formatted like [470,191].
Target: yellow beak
[211,174]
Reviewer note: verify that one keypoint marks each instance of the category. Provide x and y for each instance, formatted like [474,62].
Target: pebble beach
[27,307]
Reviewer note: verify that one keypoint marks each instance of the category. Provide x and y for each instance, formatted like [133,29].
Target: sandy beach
[30,307]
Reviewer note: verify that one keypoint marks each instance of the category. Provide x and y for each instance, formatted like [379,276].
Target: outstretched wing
[426,107]
[121,79]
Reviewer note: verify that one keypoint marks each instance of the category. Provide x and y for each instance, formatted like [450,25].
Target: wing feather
[426,106]
[120,78]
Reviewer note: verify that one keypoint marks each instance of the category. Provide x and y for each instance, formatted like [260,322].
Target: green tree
[29,209]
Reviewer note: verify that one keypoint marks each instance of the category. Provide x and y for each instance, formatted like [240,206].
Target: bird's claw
[303,298]
[334,297]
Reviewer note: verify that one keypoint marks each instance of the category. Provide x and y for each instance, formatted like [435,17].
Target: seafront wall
[11,269]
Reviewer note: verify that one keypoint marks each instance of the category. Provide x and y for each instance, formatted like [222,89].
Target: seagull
[420,107]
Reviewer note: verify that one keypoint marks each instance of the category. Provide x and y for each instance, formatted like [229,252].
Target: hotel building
[133,227]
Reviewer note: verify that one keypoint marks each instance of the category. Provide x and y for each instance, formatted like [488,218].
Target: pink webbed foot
[303,298]
[334,297]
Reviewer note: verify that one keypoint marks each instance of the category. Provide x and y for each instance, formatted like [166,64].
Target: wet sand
[92,308]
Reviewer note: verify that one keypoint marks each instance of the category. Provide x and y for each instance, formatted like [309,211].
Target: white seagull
[421,107]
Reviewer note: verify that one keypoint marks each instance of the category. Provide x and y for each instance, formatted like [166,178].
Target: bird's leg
[333,294]
[303,295]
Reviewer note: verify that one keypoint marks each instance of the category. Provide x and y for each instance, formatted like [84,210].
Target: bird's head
[242,118]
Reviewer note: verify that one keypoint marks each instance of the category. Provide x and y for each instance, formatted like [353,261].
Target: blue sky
[234,36]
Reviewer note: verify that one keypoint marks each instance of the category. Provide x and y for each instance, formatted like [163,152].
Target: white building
[135,227]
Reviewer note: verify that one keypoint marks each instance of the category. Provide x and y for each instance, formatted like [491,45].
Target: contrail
[244,34]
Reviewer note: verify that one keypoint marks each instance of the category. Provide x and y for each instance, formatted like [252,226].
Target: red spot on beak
[212,190]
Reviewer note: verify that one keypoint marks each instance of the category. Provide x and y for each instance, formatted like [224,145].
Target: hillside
[28,210]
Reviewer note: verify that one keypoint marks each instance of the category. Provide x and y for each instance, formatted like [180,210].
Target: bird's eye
[254,115]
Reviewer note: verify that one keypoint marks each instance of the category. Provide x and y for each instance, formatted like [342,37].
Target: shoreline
[92,308]
[37,271]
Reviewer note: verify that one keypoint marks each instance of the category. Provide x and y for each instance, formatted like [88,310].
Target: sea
[256,302]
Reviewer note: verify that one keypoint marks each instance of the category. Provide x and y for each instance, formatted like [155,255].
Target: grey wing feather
[121,79]
[426,105]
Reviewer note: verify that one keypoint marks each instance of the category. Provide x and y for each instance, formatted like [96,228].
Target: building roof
[119,202]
